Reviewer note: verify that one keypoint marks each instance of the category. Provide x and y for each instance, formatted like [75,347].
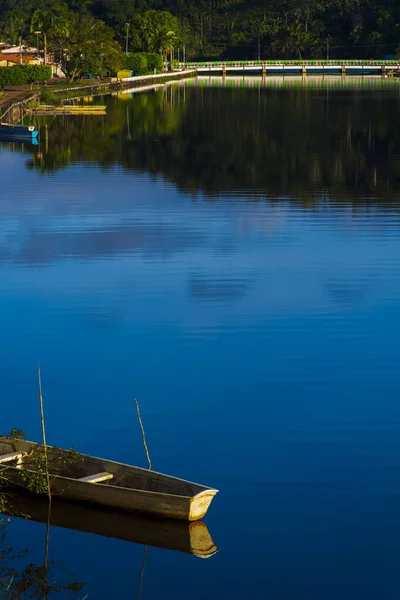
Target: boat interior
[69,463]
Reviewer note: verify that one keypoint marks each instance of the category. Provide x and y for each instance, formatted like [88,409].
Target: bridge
[302,67]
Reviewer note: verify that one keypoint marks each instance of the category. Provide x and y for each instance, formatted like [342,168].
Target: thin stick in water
[143,434]
[48,527]
[10,583]
[142,573]
[44,435]
[46,554]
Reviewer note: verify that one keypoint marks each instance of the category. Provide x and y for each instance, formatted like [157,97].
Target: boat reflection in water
[7,139]
[190,537]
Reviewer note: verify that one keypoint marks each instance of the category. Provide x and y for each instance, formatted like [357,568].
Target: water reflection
[29,579]
[203,289]
[258,331]
[315,140]
[190,538]
[22,579]
[42,248]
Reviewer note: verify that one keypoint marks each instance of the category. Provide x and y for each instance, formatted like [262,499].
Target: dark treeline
[245,29]
[275,143]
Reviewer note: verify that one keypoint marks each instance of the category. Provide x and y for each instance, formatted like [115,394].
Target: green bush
[137,62]
[37,73]
[143,62]
[12,76]
[154,61]
[22,74]
[174,65]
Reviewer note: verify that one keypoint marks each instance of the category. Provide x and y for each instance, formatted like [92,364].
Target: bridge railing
[294,63]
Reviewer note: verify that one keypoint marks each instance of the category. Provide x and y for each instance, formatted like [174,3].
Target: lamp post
[37,43]
[127,26]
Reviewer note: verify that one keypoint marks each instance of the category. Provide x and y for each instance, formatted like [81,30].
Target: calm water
[229,255]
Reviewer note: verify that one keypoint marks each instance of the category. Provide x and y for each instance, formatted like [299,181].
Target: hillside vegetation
[101,30]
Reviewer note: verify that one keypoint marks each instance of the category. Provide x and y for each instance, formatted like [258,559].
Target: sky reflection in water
[253,313]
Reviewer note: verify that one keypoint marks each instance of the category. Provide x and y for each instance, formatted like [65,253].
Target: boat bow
[200,502]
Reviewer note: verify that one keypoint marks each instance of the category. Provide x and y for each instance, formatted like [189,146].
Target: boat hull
[18,131]
[133,489]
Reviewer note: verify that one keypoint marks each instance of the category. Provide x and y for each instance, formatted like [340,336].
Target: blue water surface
[260,337]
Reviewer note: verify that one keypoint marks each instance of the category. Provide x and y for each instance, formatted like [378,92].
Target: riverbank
[100,88]
[13,102]
[14,99]
[15,96]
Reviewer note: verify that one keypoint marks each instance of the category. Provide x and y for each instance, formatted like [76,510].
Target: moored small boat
[183,536]
[19,131]
[82,478]
[69,109]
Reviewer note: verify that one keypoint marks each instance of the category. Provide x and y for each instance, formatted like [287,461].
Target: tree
[13,26]
[50,22]
[229,28]
[42,21]
[162,41]
[155,31]
[91,48]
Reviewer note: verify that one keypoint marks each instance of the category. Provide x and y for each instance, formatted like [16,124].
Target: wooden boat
[83,478]
[191,538]
[69,109]
[69,113]
[18,131]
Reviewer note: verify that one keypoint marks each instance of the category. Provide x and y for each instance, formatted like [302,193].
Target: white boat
[83,478]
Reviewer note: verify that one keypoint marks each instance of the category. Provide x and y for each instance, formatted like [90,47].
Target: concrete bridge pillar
[383,70]
[263,70]
[223,70]
[343,70]
[303,70]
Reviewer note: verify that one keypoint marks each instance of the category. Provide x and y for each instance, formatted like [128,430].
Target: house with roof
[9,60]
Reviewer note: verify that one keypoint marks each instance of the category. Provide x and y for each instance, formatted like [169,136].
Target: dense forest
[244,29]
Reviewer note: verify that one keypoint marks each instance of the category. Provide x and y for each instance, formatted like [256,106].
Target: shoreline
[116,85]
[14,99]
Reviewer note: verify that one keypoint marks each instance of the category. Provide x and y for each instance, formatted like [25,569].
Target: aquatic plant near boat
[34,463]
[17,434]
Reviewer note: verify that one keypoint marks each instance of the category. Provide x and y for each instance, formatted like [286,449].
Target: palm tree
[41,21]
[162,40]
[50,23]
[60,34]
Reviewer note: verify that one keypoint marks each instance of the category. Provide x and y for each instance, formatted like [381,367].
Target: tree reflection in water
[311,144]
